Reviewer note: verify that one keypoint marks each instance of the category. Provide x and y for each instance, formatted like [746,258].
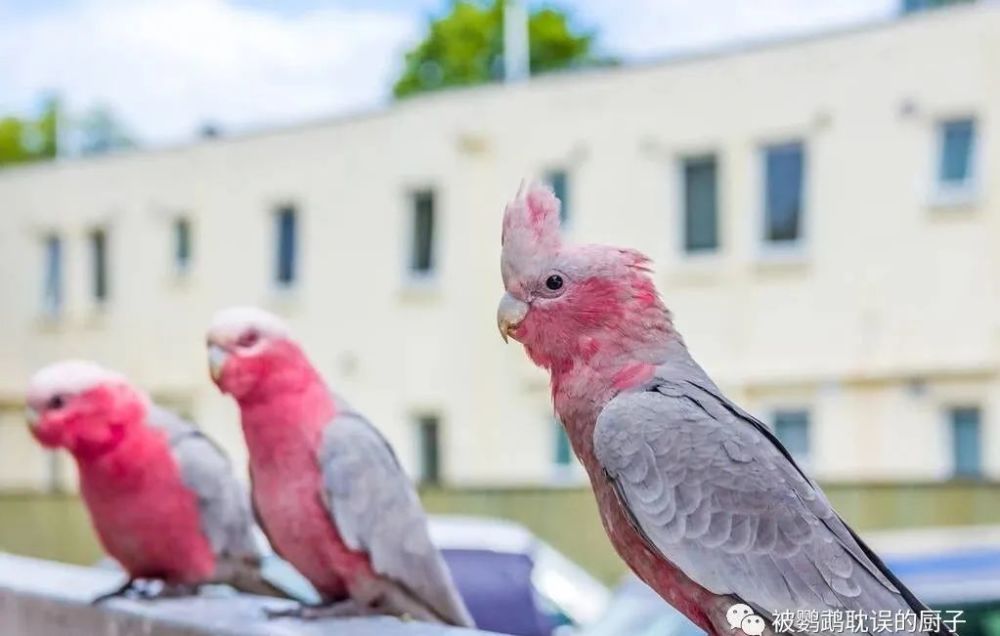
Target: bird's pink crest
[530,227]
[532,216]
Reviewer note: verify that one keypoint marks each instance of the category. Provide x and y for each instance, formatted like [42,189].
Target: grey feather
[223,503]
[377,511]
[713,492]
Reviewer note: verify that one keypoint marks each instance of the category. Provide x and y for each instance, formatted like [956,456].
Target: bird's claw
[340,609]
[142,590]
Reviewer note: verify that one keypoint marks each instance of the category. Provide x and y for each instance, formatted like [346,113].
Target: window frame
[295,269]
[944,194]
[570,473]
[99,260]
[809,460]
[680,172]
[422,422]
[181,266]
[53,304]
[950,421]
[782,250]
[565,201]
[412,275]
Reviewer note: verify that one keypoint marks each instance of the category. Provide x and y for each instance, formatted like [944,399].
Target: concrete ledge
[44,598]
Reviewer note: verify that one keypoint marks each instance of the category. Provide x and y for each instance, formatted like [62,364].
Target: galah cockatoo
[326,486]
[161,495]
[697,496]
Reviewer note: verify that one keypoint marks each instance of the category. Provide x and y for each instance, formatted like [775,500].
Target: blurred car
[512,581]
[949,569]
[636,610]
[955,568]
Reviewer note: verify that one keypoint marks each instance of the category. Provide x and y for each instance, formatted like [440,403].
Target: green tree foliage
[12,135]
[465,47]
[23,140]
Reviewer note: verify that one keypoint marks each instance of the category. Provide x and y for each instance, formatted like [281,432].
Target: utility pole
[516,58]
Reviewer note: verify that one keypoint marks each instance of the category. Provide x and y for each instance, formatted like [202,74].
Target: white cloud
[639,29]
[167,66]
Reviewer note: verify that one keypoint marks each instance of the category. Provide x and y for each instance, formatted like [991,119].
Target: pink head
[569,302]
[251,354]
[82,407]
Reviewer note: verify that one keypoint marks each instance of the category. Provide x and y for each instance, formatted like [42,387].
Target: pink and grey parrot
[326,486]
[697,495]
[161,495]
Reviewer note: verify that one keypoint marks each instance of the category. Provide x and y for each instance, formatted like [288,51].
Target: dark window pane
[422,252]
[559,181]
[957,138]
[182,244]
[286,220]
[53,291]
[563,453]
[784,168]
[966,440]
[99,265]
[430,450]
[912,6]
[700,205]
[791,427]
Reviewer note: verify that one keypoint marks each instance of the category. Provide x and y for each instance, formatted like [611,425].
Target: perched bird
[326,486]
[161,495]
[696,495]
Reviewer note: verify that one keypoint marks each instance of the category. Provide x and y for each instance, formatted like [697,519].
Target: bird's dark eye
[56,402]
[554,282]
[248,339]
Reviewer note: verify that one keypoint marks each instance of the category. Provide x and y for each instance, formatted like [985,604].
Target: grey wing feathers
[377,511]
[723,502]
[222,501]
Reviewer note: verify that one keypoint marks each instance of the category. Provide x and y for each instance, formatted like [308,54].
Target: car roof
[456,532]
[942,564]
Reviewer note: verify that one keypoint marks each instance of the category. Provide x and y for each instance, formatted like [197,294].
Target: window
[791,427]
[562,453]
[422,248]
[956,142]
[965,441]
[428,431]
[286,238]
[558,180]
[701,221]
[784,170]
[182,245]
[98,240]
[913,6]
[52,292]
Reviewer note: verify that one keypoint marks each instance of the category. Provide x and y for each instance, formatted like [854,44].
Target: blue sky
[168,66]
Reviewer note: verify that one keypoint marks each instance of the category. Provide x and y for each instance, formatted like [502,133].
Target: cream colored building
[824,215]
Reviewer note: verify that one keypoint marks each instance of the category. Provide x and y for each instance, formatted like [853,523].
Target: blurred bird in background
[161,495]
[326,486]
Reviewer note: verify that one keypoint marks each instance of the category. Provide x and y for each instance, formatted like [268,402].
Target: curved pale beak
[216,360]
[32,416]
[510,313]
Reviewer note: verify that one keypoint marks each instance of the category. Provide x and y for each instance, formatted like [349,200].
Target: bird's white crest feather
[71,376]
[229,323]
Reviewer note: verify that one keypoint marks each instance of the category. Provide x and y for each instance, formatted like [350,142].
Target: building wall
[885,317]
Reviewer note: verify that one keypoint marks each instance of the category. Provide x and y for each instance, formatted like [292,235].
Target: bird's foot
[129,589]
[176,590]
[341,609]
[147,590]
